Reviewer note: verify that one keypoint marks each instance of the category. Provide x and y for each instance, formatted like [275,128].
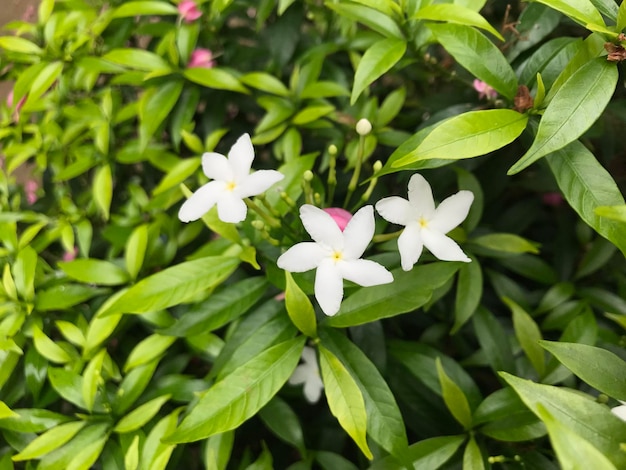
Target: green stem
[357,170]
[383,237]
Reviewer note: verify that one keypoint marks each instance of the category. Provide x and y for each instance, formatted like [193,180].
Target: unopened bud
[378,165]
[332,149]
[308,175]
[258,224]
[363,127]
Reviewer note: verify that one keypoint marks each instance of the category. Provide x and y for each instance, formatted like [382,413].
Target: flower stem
[383,237]
[357,170]
[271,221]
[332,175]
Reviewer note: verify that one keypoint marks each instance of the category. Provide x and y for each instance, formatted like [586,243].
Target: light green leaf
[140,415]
[456,14]
[103,189]
[506,243]
[580,414]
[344,399]
[173,285]
[382,24]
[50,440]
[472,457]
[178,173]
[24,273]
[92,378]
[581,11]
[265,82]
[131,458]
[68,384]
[6,412]
[409,291]
[155,454]
[241,394]
[95,271]
[21,45]
[155,105]
[586,184]
[377,60]
[311,114]
[612,212]
[135,250]
[528,335]
[48,348]
[216,78]
[43,81]
[79,451]
[474,51]
[144,8]
[147,350]
[467,135]
[573,109]
[621,17]
[218,450]
[299,307]
[88,454]
[137,59]
[598,367]
[453,396]
[428,454]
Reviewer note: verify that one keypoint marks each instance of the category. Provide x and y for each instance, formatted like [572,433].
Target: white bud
[363,127]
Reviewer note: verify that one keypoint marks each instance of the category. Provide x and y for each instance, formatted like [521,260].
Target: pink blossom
[30,188]
[484,90]
[70,255]
[552,199]
[18,107]
[201,58]
[339,215]
[189,11]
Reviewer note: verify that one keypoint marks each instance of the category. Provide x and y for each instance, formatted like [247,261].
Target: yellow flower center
[337,256]
[230,186]
[423,222]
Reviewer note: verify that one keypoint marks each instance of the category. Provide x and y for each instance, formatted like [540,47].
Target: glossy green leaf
[147,350]
[154,454]
[299,307]
[506,243]
[528,334]
[428,454]
[80,450]
[178,173]
[88,454]
[6,412]
[581,414]
[50,440]
[390,107]
[573,109]
[472,457]
[20,45]
[621,17]
[144,8]
[133,385]
[155,105]
[455,399]
[383,24]
[68,384]
[612,212]
[218,79]
[475,52]
[377,60]
[43,81]
[24,273]
[140,415]
[344,399]
[384,420]
[131,458]
[173,285]
[283,421]
[135,250]
[581,11]
[454,13]
[265,82]
[218,450]
[469,292]
[95,271]
[467,135]
[311,114]
[409,291]
[586,184]
[241,394]
[598,367]
[48,348]
[103,189]
[92,379]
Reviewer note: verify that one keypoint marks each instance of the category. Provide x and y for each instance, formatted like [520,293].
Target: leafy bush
[135,335]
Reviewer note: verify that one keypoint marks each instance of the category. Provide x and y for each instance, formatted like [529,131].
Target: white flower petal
[358,233]
[302,257]
[313,388]
[321,226]
[308,356]
[410,245]
[443,247]
[230,208]
[258,182]
[421,196]
[201,201]
[396,210]
[328,287]
[364,272]
[217,167]
[240,157]
[300,375]
[451,212]
[620,412]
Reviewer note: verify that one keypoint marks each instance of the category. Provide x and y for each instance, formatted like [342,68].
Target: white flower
[363,127]
[335,254]
[308,373]
[426,226]
[620,411]
[232,183]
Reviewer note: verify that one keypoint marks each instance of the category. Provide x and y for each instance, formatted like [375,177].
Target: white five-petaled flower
[308,373]
[620,410]
[426,226]
[232,183]
[335,254]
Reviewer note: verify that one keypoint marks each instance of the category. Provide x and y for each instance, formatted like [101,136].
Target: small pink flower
[201,58]
[30,188]
[18,107]
[552,199]
[189,11]
[339,215]
[484,90]
[70,255]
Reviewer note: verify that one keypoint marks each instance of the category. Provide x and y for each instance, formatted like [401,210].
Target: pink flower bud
[189,11]
[484,90]
[340,216]
[552,199]
[18,107]
[201,58]
[30,188]
[70,255]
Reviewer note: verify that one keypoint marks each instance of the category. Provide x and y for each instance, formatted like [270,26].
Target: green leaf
[135,250]
[87,455]
[581,11]
[528,334]
[20,45]
[474,51]
[467,135]
[573,109]
[311,114]
[612,212]
[48,348]
[469,292]
[428,454]
[155,105]
[382,24]
[472,457]
[506,243]
[50,440]
[580,414]
[377,60]
[218,450]
[572,450]
[133,385]
[409,291]
[178,173]
[30,420]
[92,378]
[95,271]
[299,307]
[344,399]
[587,185]
[390,107]
[173,285]
[140,415]
[265,82]
[456,14]
[384,420]
[598,367]
[144,8]
[155,454]
[147,350]
[278,416]
[68,384]
[453,396]
[80,450]
[6,412]
[43,81]
[241,394]
[621,17]
[103,190]
[24,273]
[493,340]
[216,78]
[137,59]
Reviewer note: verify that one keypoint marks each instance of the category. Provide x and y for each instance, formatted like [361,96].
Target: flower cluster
[339,238]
